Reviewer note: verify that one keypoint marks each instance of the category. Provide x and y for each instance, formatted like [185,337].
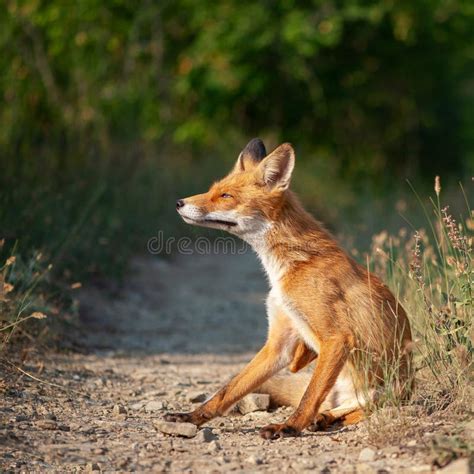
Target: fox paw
[322,422]
[179,417]
[276,431]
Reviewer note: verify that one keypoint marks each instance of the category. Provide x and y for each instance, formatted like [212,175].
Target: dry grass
[27,295]
[431,270]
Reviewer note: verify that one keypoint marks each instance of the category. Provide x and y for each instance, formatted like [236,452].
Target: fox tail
[285,389]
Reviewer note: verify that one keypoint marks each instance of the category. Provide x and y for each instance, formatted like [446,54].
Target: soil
[173,333]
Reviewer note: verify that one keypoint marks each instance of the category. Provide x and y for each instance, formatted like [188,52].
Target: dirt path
[176,330]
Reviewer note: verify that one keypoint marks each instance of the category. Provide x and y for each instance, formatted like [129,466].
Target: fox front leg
[265,364]
[330,362]
[277,353]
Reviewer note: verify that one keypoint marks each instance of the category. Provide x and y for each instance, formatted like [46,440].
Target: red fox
[322,305]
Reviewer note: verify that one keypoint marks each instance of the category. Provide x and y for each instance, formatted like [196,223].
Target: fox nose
[179,203]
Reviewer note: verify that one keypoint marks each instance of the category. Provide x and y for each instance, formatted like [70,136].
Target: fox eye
[225,195]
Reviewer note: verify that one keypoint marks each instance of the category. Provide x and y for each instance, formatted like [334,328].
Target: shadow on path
[213,304]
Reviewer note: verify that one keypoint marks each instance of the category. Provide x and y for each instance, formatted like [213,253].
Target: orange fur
[322,304]
[302,357]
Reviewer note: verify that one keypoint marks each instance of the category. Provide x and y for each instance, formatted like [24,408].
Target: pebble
[137,406]
[122,464]
[46,424]
[367,455]
[253,402]
[198,397]
[154,405]
[88,430]
[206,435]
[188,430]
[364,468]
[411,443]
[252,459]
[213,447]
[119,410]
[423,468]
[92,466]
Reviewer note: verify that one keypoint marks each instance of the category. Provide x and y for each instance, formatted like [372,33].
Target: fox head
[247,200]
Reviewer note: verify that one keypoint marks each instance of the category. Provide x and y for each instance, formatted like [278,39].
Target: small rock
[213,447]
[122,464]
[253,402]
[206,435]
[119,410]
[303,466]
[422,468]
[367,455]
[88,430]
[411,443]
[460,466]
[153,394]
[137,406]
[389,451]
[22,418]
[92,466]
[365,468]
[198,397]
[154,405]
[188,430]
[252,459]
[46,424]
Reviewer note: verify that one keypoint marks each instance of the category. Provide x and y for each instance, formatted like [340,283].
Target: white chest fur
[275,269]
[298,320]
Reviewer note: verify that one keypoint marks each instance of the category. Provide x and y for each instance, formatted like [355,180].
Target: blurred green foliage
[107,107]
[376,83]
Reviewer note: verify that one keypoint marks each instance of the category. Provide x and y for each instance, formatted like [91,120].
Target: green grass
[83,218]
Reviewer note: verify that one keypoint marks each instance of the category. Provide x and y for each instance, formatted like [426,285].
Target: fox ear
[250,156]
[277,167]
